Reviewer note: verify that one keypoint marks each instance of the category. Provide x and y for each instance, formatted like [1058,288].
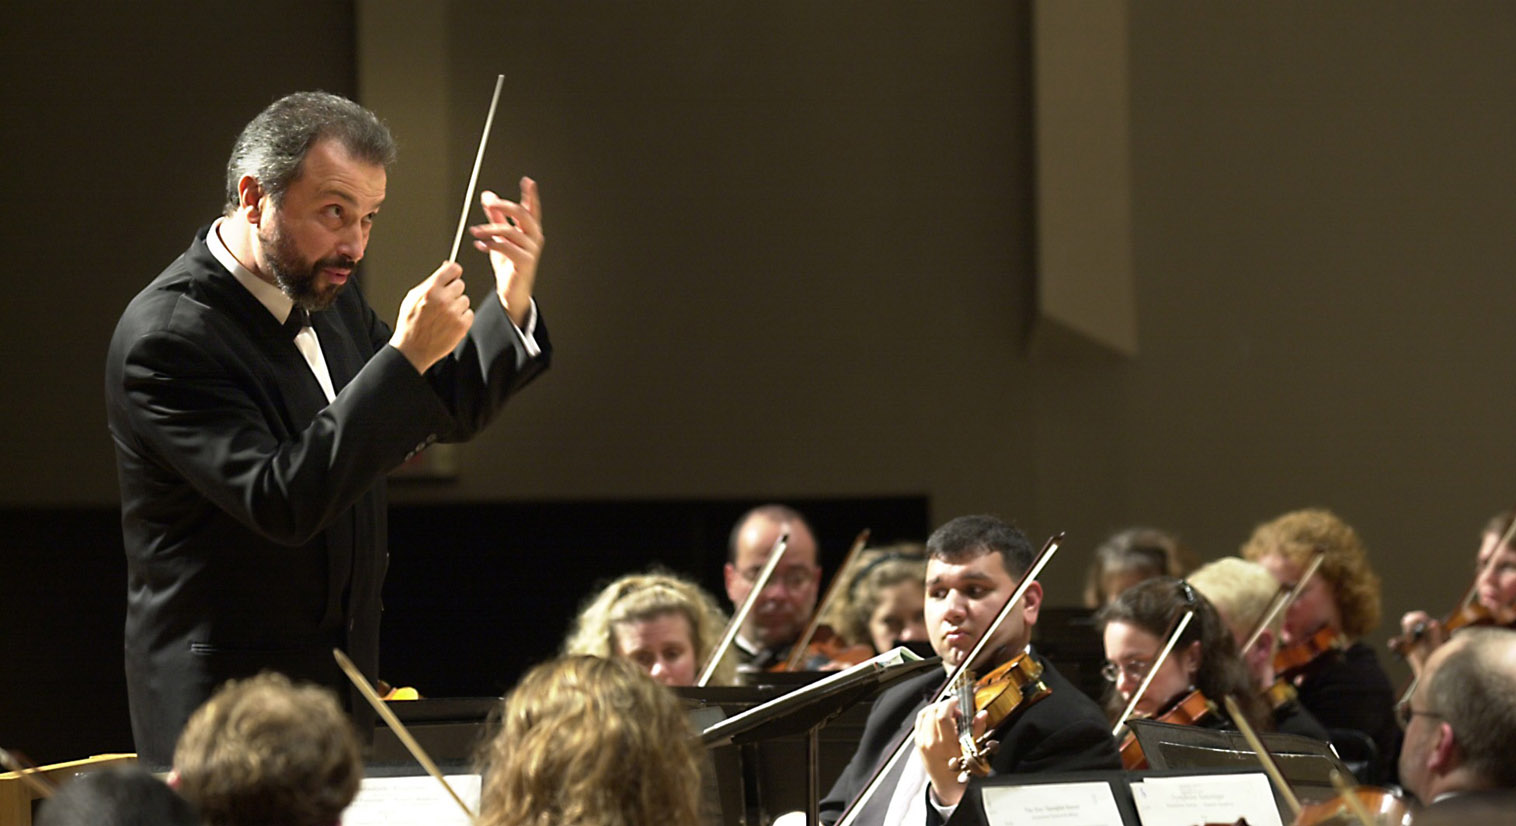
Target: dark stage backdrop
[476,593]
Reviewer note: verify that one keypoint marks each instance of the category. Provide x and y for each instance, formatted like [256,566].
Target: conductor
[257,402]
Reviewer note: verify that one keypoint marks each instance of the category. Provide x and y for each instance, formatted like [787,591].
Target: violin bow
[797,652]
[28,774]
[1147,679]
[1283,600]
[775,554]
[901,748]
[1270,767]
[361,683]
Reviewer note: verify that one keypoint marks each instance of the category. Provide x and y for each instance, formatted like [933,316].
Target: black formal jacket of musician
[1063,732]
[253,512]
[1349,690]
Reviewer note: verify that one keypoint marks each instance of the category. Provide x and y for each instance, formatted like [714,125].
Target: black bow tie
[299,318]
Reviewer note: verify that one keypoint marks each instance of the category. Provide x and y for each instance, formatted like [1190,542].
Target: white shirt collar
[267,294]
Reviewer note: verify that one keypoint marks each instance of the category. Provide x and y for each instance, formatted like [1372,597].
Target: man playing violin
[785,605]
[974,564]
[1343,684]
[1460,728]
[1494,592]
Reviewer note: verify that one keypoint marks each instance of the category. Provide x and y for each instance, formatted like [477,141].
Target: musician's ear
[1190,659]
[250,199]
[1445,756]
[1031,603]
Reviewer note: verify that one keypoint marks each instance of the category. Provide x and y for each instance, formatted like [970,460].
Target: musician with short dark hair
[974,565]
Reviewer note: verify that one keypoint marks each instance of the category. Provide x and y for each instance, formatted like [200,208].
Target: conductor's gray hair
[272,148]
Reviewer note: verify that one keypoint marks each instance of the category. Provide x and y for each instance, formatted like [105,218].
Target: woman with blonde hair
[664,623]
[1344,686]
[587,741]
[883,603]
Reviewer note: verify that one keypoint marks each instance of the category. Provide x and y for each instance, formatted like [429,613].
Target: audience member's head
[882,603]
[264,751]
[1128,557]
[1461,719]
[786,603]
[1135,627]
[664,623]
[116,797]
[588,741]
[1344,594]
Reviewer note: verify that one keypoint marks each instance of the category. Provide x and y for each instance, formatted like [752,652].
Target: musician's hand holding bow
[1423,634]
[513,238]
[937,745]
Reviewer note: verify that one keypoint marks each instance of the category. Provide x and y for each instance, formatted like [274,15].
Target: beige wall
[790,254]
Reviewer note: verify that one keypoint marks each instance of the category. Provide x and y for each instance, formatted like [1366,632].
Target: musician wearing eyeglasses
[974,564]
[1137,627]
[786,603]
[1460,731]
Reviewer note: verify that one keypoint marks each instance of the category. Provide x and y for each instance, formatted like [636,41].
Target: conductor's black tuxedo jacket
[252,511]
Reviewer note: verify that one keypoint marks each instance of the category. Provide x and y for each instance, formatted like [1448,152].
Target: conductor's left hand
[513,239]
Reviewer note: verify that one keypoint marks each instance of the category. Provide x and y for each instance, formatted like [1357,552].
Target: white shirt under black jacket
[281,305]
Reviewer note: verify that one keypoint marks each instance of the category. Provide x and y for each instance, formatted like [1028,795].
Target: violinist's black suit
[252,511]
[1063,732]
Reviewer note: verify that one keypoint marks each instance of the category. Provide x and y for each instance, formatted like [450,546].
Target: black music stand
[809,708]
[1306,764]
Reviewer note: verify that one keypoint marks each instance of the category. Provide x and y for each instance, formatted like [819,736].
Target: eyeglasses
[1135,670]
[1404,712]
[793,578]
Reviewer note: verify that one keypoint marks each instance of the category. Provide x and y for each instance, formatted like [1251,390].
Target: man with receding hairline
[257,403]
[785,605]
[1459,757]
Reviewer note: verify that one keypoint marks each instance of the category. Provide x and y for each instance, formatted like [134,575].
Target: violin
[902,746]
[1297,658]
[1357,806]
[1005,692]
[1280,694]
[1193,709]
[1467,614]
[1363,805]
[826,648]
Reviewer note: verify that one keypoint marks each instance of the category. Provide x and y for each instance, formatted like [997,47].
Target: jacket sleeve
[486,368]
[216,421]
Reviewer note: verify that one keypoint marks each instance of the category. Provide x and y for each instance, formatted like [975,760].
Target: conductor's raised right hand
[434,317]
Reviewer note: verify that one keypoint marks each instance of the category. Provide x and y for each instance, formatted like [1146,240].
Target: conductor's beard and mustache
[297,279]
